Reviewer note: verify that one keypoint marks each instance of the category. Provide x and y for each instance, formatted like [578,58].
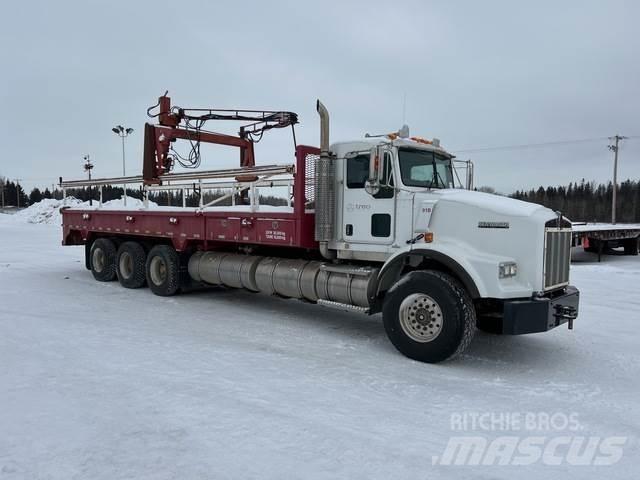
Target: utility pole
[18,180]
[614,149]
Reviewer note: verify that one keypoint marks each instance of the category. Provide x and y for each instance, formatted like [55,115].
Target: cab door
[368,218]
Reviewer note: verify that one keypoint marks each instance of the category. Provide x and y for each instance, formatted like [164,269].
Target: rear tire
[429,316]
[130,265]
[163,270]
[102,260]
[631,246]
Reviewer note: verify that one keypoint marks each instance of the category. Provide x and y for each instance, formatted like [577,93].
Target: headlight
[507,269]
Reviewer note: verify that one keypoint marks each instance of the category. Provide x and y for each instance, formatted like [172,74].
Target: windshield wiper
[438,176]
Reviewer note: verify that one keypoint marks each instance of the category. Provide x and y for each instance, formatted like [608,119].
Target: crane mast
[177,123]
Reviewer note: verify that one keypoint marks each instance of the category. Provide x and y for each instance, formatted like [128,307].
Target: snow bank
[118,204]
[48,210]
[45,211]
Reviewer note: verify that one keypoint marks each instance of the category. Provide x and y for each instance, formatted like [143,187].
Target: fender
[392,267]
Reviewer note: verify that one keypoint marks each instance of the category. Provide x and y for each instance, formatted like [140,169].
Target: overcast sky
[475,74]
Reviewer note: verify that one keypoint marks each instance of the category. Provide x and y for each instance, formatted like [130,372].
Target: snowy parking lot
[101,382]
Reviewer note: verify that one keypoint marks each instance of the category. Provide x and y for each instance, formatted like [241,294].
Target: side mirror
[372,185]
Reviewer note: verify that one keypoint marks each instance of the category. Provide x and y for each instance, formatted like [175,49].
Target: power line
[537,145]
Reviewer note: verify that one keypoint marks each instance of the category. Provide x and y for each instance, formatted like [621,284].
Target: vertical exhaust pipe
[324,128]
[325,188]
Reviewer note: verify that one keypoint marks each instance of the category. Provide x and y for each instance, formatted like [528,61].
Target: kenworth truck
[370,225]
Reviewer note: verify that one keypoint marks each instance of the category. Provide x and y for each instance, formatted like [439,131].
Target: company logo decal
[493,224]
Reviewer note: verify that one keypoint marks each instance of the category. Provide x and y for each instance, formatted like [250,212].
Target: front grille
[557,257]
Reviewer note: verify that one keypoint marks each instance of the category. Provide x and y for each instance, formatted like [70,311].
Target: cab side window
[357,171]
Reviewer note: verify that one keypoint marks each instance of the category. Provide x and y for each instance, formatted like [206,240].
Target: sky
[473,74]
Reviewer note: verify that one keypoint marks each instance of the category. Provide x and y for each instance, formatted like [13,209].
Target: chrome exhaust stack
[324,128]
[325,188]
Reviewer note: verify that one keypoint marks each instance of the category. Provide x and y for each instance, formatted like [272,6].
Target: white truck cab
[395,205]
[410,204]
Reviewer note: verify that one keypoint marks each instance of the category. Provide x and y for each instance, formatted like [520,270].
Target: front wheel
[429,316]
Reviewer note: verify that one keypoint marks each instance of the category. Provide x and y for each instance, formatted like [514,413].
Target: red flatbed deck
[189,225]
[206,227]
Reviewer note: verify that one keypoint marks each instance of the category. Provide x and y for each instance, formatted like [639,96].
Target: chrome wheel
[98,259]
[420,317]
[158,270]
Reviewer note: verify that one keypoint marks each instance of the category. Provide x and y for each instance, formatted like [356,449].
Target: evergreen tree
[35,196]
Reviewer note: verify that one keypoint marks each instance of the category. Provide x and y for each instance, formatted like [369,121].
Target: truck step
[343,306]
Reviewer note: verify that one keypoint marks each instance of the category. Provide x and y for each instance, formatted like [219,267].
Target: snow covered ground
[101,382]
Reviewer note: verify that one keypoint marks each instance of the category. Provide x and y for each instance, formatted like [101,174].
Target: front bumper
[539,314]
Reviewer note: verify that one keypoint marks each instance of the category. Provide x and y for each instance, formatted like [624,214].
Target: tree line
[587,201]
[12,194]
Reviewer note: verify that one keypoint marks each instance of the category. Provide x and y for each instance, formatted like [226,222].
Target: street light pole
[614,148]
[87,168]
[122,132]
[123,160]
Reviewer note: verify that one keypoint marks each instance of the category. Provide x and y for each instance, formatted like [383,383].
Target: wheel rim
[98,260]
[420,317]
[125,265]
[158,270]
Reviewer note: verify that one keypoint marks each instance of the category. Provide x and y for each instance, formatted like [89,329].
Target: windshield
[420,168]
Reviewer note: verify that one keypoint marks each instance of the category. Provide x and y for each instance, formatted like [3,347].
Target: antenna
[404,108]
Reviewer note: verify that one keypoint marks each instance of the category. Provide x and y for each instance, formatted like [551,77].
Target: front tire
[429,316]
[102,260]
[163,270]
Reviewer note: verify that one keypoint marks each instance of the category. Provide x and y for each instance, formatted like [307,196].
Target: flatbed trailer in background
[601,237]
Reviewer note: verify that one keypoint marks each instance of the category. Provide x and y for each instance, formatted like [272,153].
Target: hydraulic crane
[187,124]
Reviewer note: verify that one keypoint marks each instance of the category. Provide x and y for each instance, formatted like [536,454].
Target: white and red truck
[371,225]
